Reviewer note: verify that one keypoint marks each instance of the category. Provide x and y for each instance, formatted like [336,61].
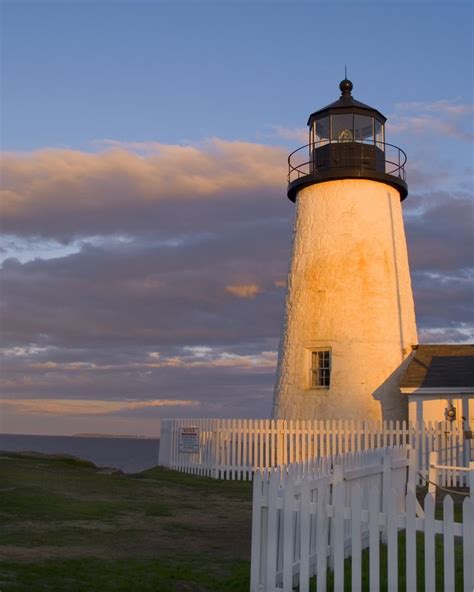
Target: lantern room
[347,140]
[347,120]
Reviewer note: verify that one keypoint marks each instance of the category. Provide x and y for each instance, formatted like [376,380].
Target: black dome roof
[347,104]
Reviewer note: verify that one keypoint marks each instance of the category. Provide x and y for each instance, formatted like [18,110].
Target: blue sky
[146,226]
[76,72]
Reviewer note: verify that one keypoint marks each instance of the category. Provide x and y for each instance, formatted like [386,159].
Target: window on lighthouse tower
[320,368]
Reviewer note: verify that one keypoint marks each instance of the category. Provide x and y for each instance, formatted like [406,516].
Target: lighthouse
[349,324]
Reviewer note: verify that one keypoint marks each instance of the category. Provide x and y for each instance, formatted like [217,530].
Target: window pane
[322,130]
[379,133]
[363,127]
[343,127]
[320,368]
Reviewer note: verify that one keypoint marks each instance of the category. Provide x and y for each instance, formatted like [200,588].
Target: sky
[146,231]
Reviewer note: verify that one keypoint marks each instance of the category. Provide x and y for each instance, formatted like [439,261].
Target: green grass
[67,526]
[162,575]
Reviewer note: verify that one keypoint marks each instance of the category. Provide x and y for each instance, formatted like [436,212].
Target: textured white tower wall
[349,291]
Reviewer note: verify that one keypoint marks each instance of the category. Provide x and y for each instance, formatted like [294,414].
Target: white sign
[189,440]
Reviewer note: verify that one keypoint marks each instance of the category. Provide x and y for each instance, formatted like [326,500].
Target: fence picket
[338,529]
[256,545]
[392,542]
[468,544]
[356,549]
[430,573]
[410,527]
[272,533]
[448,544]
[288,539]
[322,532]
[238,456]
[374,540]
[305,533]
[266,427]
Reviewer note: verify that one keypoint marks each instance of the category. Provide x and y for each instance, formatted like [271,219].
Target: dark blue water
[131,455]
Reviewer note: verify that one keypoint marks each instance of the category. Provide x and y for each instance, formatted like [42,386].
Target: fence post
[337,484]
[433,473]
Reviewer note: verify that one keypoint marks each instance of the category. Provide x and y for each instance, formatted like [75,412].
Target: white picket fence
[235,448]
[306,521]
[437,473]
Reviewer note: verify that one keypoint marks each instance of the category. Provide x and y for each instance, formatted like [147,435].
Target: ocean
[131,455]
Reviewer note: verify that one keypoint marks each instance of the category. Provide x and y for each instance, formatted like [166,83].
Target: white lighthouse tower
[350,321]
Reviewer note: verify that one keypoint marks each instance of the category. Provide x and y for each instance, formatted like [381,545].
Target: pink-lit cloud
[65,193]
[47,406]
[243,290]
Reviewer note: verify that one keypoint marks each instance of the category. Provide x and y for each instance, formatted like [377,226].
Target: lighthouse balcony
[328,160]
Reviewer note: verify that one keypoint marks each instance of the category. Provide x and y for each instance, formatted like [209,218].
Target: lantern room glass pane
[343,127]
[322,131]
[379,134]
[363,127]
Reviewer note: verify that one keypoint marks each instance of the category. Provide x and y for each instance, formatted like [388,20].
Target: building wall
[349,289]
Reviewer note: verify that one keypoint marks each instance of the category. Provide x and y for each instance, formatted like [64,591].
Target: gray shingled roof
[440,366]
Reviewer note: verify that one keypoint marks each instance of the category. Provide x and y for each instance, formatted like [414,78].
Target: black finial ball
[346,86]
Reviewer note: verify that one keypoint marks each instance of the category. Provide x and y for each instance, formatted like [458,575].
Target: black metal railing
[359,155]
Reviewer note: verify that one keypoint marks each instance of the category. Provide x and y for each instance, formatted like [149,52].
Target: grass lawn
[67,526]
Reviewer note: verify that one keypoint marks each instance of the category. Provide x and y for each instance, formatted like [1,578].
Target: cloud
[244,290]
[294,134]
[439,231]
[86,406]
[170,284]
[447,335]
[63,194]
[445,118]
[442,106]
[444,300]
[148,293]
[205,358]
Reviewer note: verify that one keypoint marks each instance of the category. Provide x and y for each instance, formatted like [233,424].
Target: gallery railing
[358,155]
